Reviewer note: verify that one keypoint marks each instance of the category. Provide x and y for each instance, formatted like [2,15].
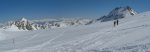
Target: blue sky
[15,9]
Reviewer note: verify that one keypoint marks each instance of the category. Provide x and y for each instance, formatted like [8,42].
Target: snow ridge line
[146,25]
[136,27]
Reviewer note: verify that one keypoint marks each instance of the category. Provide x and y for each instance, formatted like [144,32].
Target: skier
[114,23]
[117,22]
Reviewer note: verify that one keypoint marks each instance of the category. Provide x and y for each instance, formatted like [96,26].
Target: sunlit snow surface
[132,35]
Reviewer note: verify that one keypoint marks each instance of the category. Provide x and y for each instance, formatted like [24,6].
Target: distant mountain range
[25,24]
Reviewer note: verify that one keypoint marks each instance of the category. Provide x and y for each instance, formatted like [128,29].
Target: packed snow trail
[132,34]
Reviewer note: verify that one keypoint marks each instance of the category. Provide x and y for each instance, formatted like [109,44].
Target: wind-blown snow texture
[132,35]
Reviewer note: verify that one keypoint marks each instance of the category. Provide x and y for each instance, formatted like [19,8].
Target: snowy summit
[118,13]
[24,19]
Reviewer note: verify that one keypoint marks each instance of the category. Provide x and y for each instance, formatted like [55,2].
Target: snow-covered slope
[132,35]
[118,13]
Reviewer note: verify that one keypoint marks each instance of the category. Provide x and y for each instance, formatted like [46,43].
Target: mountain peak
[24,19]
[127,10]
[118,13]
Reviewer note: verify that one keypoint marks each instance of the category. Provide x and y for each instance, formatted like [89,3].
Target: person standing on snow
[114,23]
[117,22]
